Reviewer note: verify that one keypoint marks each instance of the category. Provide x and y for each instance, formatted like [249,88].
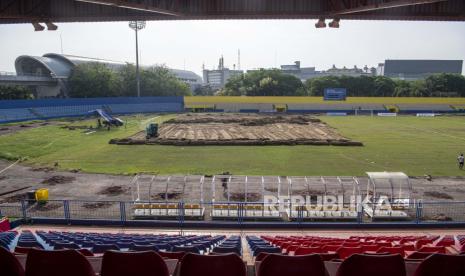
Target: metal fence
[240,213]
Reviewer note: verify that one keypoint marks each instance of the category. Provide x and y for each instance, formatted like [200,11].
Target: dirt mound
[14,198]
[436,194]
[58,179]
[113,191]
[96,205]
[168,196]
[42,169]
[245,120]
[240,197]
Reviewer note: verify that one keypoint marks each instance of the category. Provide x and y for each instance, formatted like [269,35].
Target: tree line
[90,80]
[275,83]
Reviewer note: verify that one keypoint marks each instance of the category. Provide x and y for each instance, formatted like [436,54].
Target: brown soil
[21,127]
[436,194]
[240,129]
[14,198]
[42,169]
[240,197]
[113,191]
[169,196]
[96,205]
[58,179]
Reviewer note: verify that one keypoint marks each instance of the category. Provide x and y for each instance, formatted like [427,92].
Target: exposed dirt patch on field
[14,198]
[167,196]
[7,129]
[242,129]
[58,179]
[436,194]
[96,205]
[113,190]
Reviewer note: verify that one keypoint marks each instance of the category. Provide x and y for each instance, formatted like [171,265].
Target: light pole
[136,26]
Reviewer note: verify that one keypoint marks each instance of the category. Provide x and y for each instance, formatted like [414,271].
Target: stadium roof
[421,66]
[26,11]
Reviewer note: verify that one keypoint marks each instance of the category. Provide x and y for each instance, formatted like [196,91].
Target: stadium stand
[349,108]
[22,110]
[221,255]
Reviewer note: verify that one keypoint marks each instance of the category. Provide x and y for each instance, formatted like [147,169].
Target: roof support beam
[385,5]
[132,6]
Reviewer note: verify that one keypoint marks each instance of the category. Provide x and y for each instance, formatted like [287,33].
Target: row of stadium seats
[18,114]
[407,246]
[115,263]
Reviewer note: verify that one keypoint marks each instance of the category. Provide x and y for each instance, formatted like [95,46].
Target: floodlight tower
[137,26]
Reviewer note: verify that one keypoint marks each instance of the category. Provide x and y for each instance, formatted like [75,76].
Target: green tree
[160,81]
[204,90]
[89,80]
[383,87]
[15,92]
[264,83]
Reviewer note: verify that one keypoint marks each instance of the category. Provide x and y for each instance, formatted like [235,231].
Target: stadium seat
[369,265]
[66,245]
[328,256]
[391,250]
[212,265]
[57,263]
[345,252]
[227,249]
[261,256]
[136,247]
[85,252]
[187,249]
[442,265]
[172,255]
[148,263]
[277,265]
[23,250]
[9,265]
[308,250]
[101,248]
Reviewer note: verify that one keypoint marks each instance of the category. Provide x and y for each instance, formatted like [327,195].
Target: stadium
[228,185]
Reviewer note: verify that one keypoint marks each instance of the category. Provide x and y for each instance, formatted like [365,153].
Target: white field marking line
[90,132]
[10,166]
[435,132]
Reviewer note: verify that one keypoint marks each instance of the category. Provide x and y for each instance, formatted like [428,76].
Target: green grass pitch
[414,145]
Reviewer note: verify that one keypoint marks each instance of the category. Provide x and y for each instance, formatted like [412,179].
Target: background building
[49,73]
[418,69]
[217,78]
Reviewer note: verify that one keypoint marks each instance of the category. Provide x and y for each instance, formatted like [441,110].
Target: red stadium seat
[278,265]
[331,248]
[328,256]
[57,263]
[9,265]
[116,263]
[442,265]
[370,247]
[212,265]
[391,250]
[372,265]
[345,252]
[308,250]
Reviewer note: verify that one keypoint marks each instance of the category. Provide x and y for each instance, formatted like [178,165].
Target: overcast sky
[263,43]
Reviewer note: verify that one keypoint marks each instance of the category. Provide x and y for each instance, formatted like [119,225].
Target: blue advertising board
[335,94]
